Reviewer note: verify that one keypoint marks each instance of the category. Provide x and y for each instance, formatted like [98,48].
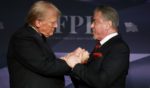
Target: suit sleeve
[112,67]
[33,57]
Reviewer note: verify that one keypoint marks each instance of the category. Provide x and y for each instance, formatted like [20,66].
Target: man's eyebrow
[93,20]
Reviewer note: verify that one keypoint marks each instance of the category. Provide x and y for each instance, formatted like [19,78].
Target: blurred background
[74,31]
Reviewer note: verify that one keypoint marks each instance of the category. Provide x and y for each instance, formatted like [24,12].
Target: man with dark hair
[108,63]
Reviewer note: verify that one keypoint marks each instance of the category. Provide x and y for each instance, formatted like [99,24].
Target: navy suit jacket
[31,62]
[107,71]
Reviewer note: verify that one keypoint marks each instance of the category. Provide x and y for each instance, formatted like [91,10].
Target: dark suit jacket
[108,71]
[31,62]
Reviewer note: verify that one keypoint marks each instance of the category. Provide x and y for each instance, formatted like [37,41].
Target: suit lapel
[104,48]
[95,64]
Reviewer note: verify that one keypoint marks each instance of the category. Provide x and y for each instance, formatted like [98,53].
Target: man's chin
[49,35]
[94,37]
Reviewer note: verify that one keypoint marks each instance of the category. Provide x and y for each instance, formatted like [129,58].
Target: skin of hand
[85,56]
[72,60]
[76,52]
[82,55]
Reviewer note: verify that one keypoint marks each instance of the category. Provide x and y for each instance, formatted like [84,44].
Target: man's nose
[92,25]
[56,25]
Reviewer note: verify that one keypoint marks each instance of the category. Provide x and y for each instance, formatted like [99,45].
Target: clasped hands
[77,56]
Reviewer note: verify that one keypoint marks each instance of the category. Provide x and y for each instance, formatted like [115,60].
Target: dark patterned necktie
[96,53]
[97,46]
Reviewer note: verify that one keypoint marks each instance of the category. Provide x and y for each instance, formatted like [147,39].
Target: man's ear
[37,23]
[109,24]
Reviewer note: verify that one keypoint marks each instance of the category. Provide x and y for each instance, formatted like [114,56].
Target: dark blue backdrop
[74,31]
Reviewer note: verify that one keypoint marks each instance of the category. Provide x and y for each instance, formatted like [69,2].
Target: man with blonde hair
[31,62]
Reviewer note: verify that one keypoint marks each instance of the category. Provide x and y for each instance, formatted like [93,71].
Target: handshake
[77,56]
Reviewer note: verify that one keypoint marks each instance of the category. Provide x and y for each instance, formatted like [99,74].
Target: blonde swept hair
[38,10]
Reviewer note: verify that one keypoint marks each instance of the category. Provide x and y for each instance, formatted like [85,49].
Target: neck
[112,30]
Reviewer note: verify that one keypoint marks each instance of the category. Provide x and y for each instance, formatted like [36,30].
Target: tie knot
[98,44]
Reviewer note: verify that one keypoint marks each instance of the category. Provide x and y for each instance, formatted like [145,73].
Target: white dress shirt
[108,37]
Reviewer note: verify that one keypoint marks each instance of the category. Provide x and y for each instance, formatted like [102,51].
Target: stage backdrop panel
[74,31]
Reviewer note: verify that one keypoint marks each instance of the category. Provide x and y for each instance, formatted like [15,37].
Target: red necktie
[97,46]
[97,54]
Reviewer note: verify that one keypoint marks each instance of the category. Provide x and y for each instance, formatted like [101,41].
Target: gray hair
[38,10]
[109,13]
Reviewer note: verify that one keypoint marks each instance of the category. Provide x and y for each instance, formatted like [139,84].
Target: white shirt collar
[108,37]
